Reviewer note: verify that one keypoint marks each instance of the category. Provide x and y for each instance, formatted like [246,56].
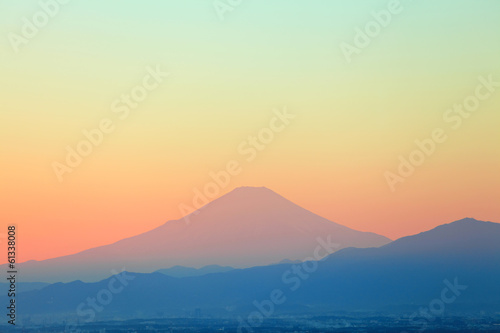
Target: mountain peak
[467,232]
[249,226]
[251,191]
[467,220]
[251,188]
[245,198]
[465,223]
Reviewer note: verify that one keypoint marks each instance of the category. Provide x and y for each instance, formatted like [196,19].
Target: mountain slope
[246,227]
[400,277]
[181,271]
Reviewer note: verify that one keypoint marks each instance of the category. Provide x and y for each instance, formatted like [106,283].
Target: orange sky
[351,120]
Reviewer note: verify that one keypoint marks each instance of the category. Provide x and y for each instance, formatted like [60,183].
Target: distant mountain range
[22,286]
[247,227]
[456,266]
[181,271]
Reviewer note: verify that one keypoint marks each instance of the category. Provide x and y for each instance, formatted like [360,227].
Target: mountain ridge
[370,279]
[243,228]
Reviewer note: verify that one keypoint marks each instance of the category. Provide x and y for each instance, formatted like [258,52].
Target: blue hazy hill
[181,271]
[401,276]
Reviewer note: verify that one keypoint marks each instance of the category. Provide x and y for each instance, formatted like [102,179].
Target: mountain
[181,271]
[454,266]
[288,261]
[247,227]
[411,270]
[22,286]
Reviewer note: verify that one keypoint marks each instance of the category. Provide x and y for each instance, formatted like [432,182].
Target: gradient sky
[352,121]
